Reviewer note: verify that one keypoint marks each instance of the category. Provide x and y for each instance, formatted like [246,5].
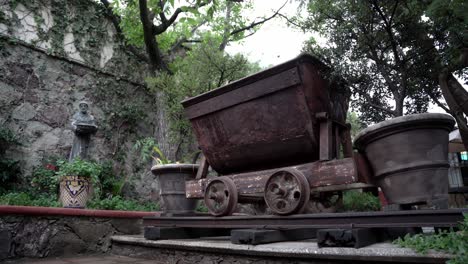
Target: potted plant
[76,181]
[172,177]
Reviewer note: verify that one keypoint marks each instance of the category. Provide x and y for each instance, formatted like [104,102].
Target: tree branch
[376,106]
[388,29]
[115,19]
[182,40]
[227,21]
[166,23]
[152,47]
[254,24]
[290,21]
[393,12]
[436,100]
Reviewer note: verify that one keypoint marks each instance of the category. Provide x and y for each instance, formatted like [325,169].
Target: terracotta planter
[409,157]
[74,191]
[172,179]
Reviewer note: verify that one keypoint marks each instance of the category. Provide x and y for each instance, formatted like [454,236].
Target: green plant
[118,203]
[26,199]
[111,184]
[360,201]
[149,149]
[9,171]
[8,137]
[45,179]
[453,242]
[201,207]
[50,200]
[9,168]
[82,168]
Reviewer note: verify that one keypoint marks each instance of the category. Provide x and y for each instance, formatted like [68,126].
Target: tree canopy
[168,28]
[392,53]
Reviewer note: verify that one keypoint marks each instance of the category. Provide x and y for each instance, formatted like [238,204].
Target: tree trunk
[457,100]
[152,47]
[399,101]
[227,28]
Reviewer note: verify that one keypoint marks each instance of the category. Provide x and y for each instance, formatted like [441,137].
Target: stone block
[24,112]
[90,232]
[5,244]
[127,226]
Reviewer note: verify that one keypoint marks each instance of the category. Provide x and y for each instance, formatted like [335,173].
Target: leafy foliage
[203,69]
[25,199]
[80,168]
[9,168]
[201,207]
[7,137]
[390,52]
[453,242]
[110,183]
[356,124]
[51,200]
[45,179]
[149,149]
[118,203]
[9,172]
[360,201]
[193,24]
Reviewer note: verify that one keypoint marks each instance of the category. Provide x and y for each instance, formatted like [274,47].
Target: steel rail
[416,218]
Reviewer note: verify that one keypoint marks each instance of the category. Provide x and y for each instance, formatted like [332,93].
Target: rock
[127,226]
[66,243]
[54,116]
[5,244]
[91,233]
[48,141]
[23,76]
[36,129]
[24,112]
[33,238]
[8,95]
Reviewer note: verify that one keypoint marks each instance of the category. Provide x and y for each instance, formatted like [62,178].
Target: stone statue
[83,125]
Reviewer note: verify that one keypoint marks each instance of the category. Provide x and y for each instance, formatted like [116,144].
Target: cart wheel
[325,203]
[287,192]
[221,196]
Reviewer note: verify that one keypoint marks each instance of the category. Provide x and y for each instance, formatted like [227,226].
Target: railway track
[414,218]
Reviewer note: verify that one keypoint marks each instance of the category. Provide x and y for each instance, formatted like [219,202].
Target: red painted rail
[43,211]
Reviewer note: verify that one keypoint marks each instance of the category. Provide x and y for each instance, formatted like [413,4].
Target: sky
[274,42]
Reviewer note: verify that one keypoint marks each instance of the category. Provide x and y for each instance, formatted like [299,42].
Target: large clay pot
[409,157]
[172,179]
[74,191]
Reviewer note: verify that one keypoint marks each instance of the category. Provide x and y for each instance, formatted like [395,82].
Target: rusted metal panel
[249,92]
[318,174]
[266,120]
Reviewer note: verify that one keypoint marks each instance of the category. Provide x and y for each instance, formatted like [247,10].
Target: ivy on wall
[85,19]
[111,86]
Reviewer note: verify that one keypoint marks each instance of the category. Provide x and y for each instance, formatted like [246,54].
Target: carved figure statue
[83,124]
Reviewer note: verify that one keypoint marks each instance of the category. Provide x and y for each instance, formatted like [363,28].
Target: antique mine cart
[278,136]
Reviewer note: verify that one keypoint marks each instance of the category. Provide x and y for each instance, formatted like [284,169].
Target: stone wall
[56,53]
[52,236]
